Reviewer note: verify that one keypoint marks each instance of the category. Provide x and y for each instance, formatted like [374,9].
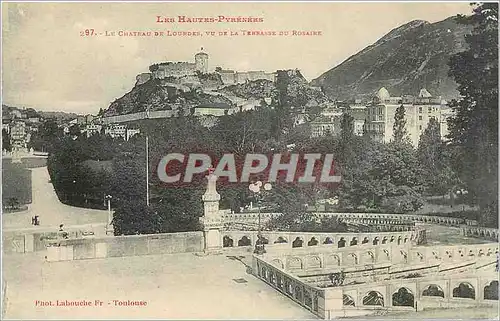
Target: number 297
[87,32]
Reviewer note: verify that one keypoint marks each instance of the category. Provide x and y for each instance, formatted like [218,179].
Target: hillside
[290,86]
[30,112]
[158,95]
[184,93]
[408,58]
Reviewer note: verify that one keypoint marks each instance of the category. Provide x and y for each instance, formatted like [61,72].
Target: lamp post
[110,217]
[255,188]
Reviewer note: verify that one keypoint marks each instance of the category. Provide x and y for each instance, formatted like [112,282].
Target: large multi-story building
[18,135]
[418,112]
[324,125]
[330,120]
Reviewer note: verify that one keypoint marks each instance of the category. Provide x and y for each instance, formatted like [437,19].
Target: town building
[323,126]
[418,112]
[18,135]
[446,113]
[116,130]
[132,132]
[214,109]
[331,117]
[92,129]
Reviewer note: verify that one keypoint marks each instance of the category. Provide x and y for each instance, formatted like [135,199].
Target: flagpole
[147,170]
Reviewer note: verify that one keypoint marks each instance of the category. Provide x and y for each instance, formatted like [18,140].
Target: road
[50,210]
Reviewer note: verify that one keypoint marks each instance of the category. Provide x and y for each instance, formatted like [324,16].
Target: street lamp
[110,217]
[255,188]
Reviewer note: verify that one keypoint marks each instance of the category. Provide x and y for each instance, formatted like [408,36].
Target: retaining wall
[121,246]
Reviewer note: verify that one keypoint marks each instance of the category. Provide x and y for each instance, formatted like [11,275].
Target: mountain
[408,58]
[31,112]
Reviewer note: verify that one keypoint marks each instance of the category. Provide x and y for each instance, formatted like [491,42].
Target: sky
[48,65]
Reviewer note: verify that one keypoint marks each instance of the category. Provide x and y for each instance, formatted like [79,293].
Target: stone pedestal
[212,220]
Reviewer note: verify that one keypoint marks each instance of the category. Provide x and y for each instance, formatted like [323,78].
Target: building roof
[424,93]
[201,53]
[214,105]
[383,93]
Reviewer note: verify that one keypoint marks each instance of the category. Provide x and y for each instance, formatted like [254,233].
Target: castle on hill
[200,65]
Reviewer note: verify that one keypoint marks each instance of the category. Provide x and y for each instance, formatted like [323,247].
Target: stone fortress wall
[185,69]
[174,69]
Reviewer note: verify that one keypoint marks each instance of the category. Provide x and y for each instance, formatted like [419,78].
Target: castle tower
[201,61]
[211,220]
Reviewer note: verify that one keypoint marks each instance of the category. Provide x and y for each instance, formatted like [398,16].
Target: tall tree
[474,126]
[345,147]
[6,141]
[435,159]
[399,133]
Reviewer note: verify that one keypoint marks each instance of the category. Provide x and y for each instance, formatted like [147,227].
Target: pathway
[47,206]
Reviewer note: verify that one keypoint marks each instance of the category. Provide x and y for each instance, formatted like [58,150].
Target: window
[419,117]
[420,127]
[429,109]
[420,109]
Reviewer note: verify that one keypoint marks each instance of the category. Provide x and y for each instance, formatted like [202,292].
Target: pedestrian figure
[61,227]
[37,221]
[498,259]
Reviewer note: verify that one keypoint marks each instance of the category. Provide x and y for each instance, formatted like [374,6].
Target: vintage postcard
[246,160]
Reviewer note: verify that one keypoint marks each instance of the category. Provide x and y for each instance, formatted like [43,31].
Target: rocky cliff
[408,58]
[290,87]
[166,94]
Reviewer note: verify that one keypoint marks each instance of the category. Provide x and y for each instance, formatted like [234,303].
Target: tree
[399,132]
[75,130]
[474,126]
[386,177]
[435,159]
[366,133]
[6,146]
[13,203]
[47,136]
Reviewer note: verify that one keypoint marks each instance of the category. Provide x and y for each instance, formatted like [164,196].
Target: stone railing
[296,240]
[445,290]
[308,296]
[480,232]
[4,297]
[307,261]
[439,291]
[362,218]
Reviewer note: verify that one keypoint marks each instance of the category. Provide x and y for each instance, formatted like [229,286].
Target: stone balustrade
[480,232]
[445,290]
[296,240]
[307,261]
[361,218]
